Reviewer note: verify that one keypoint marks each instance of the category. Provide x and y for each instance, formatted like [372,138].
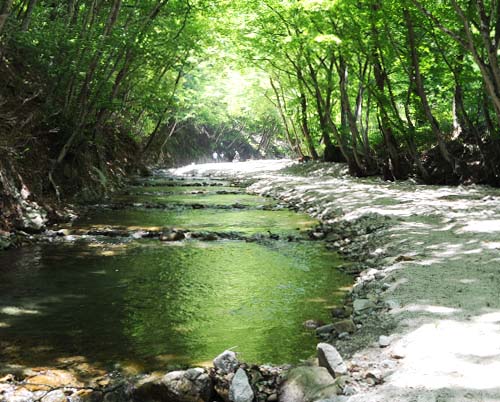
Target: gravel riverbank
[426,302]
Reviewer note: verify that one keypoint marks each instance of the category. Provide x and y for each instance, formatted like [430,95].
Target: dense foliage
[399,87]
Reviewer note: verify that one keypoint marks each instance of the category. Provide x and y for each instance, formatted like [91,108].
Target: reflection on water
[156,303]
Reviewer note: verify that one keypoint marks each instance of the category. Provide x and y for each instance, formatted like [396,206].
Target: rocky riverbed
[425,305]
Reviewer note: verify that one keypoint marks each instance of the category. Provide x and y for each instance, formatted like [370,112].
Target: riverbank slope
[431,270]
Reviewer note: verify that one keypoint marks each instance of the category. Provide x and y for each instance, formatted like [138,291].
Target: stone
[340,312]
[325,329]
[308,384]
[392,304]
[172,236]
[344,326]
[330,358]
[176,386]
[55,396]
[272,398]
[361,305]
[193,373]
[349,390]
[44,380]
[5,242]
[374,374]
[34,221]
[14,394]
[313,324]
[240,389]
[85,395]
[384,341]
[227,362]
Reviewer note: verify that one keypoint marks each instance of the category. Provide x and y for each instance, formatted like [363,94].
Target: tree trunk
[27,16]
[283,116]
[4,13]
[419,84]
[303,116]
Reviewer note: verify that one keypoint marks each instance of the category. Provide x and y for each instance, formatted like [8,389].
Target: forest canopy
[400,88]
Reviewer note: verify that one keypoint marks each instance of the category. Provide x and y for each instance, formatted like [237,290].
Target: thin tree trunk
[27,16]
[282,115]
[4,13]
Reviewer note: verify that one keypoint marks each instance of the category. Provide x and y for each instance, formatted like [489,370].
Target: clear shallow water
[240,220]
[152,304]
[207,199]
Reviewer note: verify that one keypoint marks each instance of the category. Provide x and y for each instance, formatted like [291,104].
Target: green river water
[159,304]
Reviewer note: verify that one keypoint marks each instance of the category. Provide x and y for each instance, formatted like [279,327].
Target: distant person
[236,156]
[222,156]
[215,156]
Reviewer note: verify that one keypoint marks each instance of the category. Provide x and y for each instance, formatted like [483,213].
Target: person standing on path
[215,156]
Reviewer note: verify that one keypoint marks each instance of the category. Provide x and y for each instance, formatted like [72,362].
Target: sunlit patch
[489,318]
[431,309]
[467,281]
[12,310]
[493,245]
[109,253]
[317,300]
[484,226]
[131,368]
[41,349]
[71,359]
[166,358]
[204,364]
[449,354]
[475,251]
[4,325]
[182,329]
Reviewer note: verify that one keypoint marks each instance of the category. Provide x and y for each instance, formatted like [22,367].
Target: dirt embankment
[32,133]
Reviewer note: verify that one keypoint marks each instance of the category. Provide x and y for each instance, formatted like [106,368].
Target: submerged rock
[313,324]
[240,389]
[173,236]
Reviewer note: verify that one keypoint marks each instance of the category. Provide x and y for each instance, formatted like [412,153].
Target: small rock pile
[229,381]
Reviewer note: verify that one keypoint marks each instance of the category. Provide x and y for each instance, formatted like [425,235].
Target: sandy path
[445,295]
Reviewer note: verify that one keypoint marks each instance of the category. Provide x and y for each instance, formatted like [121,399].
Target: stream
[110,292]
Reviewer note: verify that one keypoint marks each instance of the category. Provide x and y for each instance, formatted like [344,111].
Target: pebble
[384,341]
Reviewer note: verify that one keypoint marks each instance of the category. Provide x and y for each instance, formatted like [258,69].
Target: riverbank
[427,301]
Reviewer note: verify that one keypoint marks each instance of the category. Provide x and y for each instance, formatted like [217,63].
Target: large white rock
[240,389]
[330,359]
